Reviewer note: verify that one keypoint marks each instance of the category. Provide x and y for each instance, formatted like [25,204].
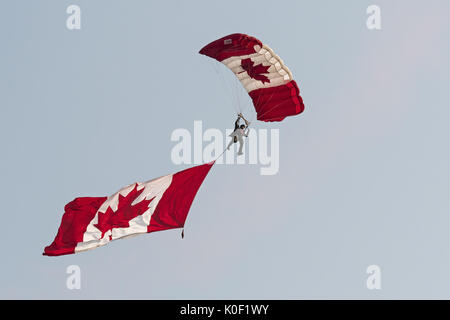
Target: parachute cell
[265,77]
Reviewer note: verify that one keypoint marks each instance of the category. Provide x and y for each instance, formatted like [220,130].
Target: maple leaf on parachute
[255,71]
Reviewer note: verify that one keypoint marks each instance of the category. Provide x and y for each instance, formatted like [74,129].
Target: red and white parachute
[262,73]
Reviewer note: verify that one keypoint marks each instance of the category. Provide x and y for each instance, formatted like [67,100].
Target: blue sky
[363,173]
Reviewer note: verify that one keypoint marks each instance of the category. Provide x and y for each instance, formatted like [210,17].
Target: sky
[363,177]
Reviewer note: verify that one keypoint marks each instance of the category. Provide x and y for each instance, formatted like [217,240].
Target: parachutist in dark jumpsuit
[239,133]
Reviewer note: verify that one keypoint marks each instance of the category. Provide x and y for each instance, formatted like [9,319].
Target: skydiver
[239,133]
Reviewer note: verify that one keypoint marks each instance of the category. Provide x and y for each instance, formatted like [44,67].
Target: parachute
[262,73]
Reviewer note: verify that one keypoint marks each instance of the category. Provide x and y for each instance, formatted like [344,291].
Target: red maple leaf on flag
[255,71]
[124,213]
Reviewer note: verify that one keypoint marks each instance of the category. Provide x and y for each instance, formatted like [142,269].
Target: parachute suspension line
[226,85]
[222,80]
[237,93]
[243,96]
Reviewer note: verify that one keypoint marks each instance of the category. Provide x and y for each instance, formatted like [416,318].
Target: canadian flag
[155,205]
